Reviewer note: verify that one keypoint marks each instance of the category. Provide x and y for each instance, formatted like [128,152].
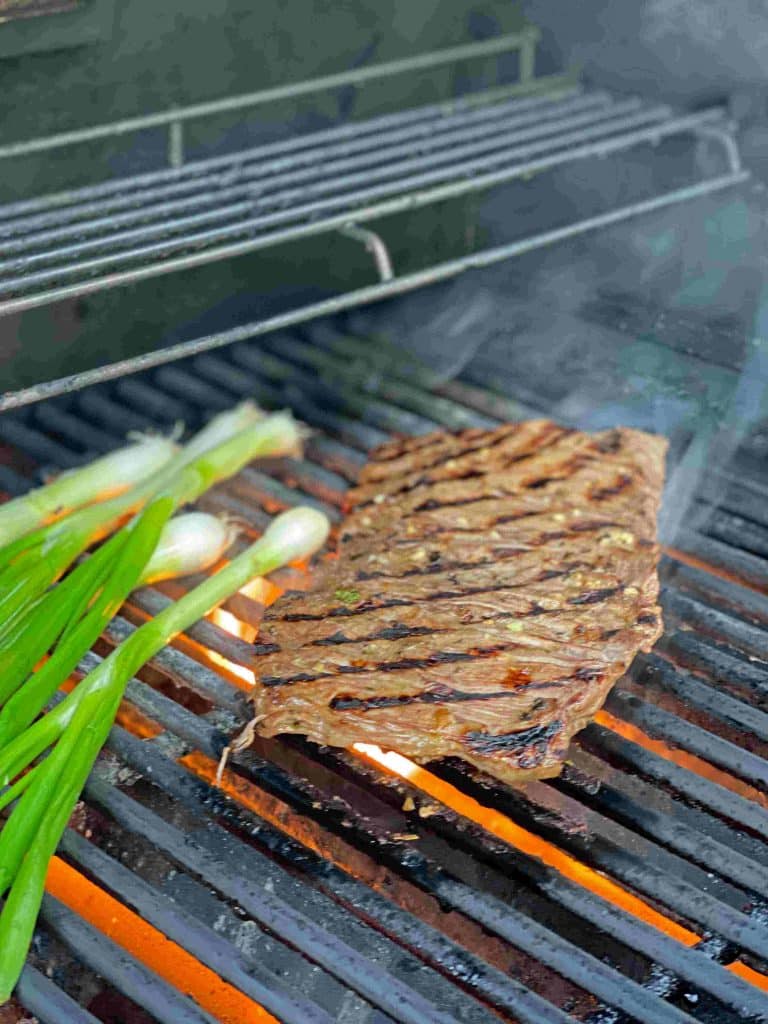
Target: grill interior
[316,885]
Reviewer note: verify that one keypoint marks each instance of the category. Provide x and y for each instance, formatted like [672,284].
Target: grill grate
[632,888]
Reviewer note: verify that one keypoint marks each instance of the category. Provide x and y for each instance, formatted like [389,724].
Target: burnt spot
[423,481]
[305,677]
[608,633]
[621,484]
[648,620]
[592,524]
[335,638]
[538,705]
[382,601]
[396,631]
[588,675]
[265,648]
[527,747]
[545,538]
[595,596]
[609,444]
[437,439]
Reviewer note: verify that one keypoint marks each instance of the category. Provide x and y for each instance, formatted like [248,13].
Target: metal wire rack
[123,231]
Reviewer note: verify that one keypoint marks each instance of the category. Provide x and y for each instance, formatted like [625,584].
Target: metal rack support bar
[375,245]
[363,296]
[724,135]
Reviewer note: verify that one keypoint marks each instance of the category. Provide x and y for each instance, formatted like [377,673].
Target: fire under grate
[316,885]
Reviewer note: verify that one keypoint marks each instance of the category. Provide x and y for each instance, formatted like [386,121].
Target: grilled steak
[489,589]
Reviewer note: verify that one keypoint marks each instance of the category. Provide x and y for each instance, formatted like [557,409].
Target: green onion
[102,479]
[222,427]
[189,543]
[76,612]
[75,730]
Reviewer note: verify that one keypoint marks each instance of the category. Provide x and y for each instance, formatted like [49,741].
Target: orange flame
[227,621]
[681,757]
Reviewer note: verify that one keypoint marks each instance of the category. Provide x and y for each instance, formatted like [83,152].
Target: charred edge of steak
[527,747]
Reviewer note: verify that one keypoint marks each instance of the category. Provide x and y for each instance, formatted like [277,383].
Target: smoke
[442,327]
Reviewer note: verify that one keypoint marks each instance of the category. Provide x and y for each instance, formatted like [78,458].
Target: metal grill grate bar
[49,1003]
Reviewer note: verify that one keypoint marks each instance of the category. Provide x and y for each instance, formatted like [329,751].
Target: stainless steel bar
[544,90]
[411,200]
[246,165]
[362,296]
[355,76]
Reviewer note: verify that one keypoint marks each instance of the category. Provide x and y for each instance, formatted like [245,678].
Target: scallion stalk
[75,730]
[104,478]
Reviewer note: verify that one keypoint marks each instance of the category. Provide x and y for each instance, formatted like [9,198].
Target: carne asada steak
[489,589]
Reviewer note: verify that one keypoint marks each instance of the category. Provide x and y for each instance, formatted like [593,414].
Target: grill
[316,885]
[308,885]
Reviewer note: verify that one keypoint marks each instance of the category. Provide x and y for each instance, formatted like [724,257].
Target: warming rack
[126,230]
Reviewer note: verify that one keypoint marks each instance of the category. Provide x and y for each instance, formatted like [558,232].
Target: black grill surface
[322,888]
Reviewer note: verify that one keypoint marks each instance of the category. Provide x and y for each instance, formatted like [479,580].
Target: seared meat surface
[489,589]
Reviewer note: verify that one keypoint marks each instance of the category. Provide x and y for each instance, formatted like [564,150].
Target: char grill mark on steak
[439,695]
[481,606]
[505,451]
[413,448]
